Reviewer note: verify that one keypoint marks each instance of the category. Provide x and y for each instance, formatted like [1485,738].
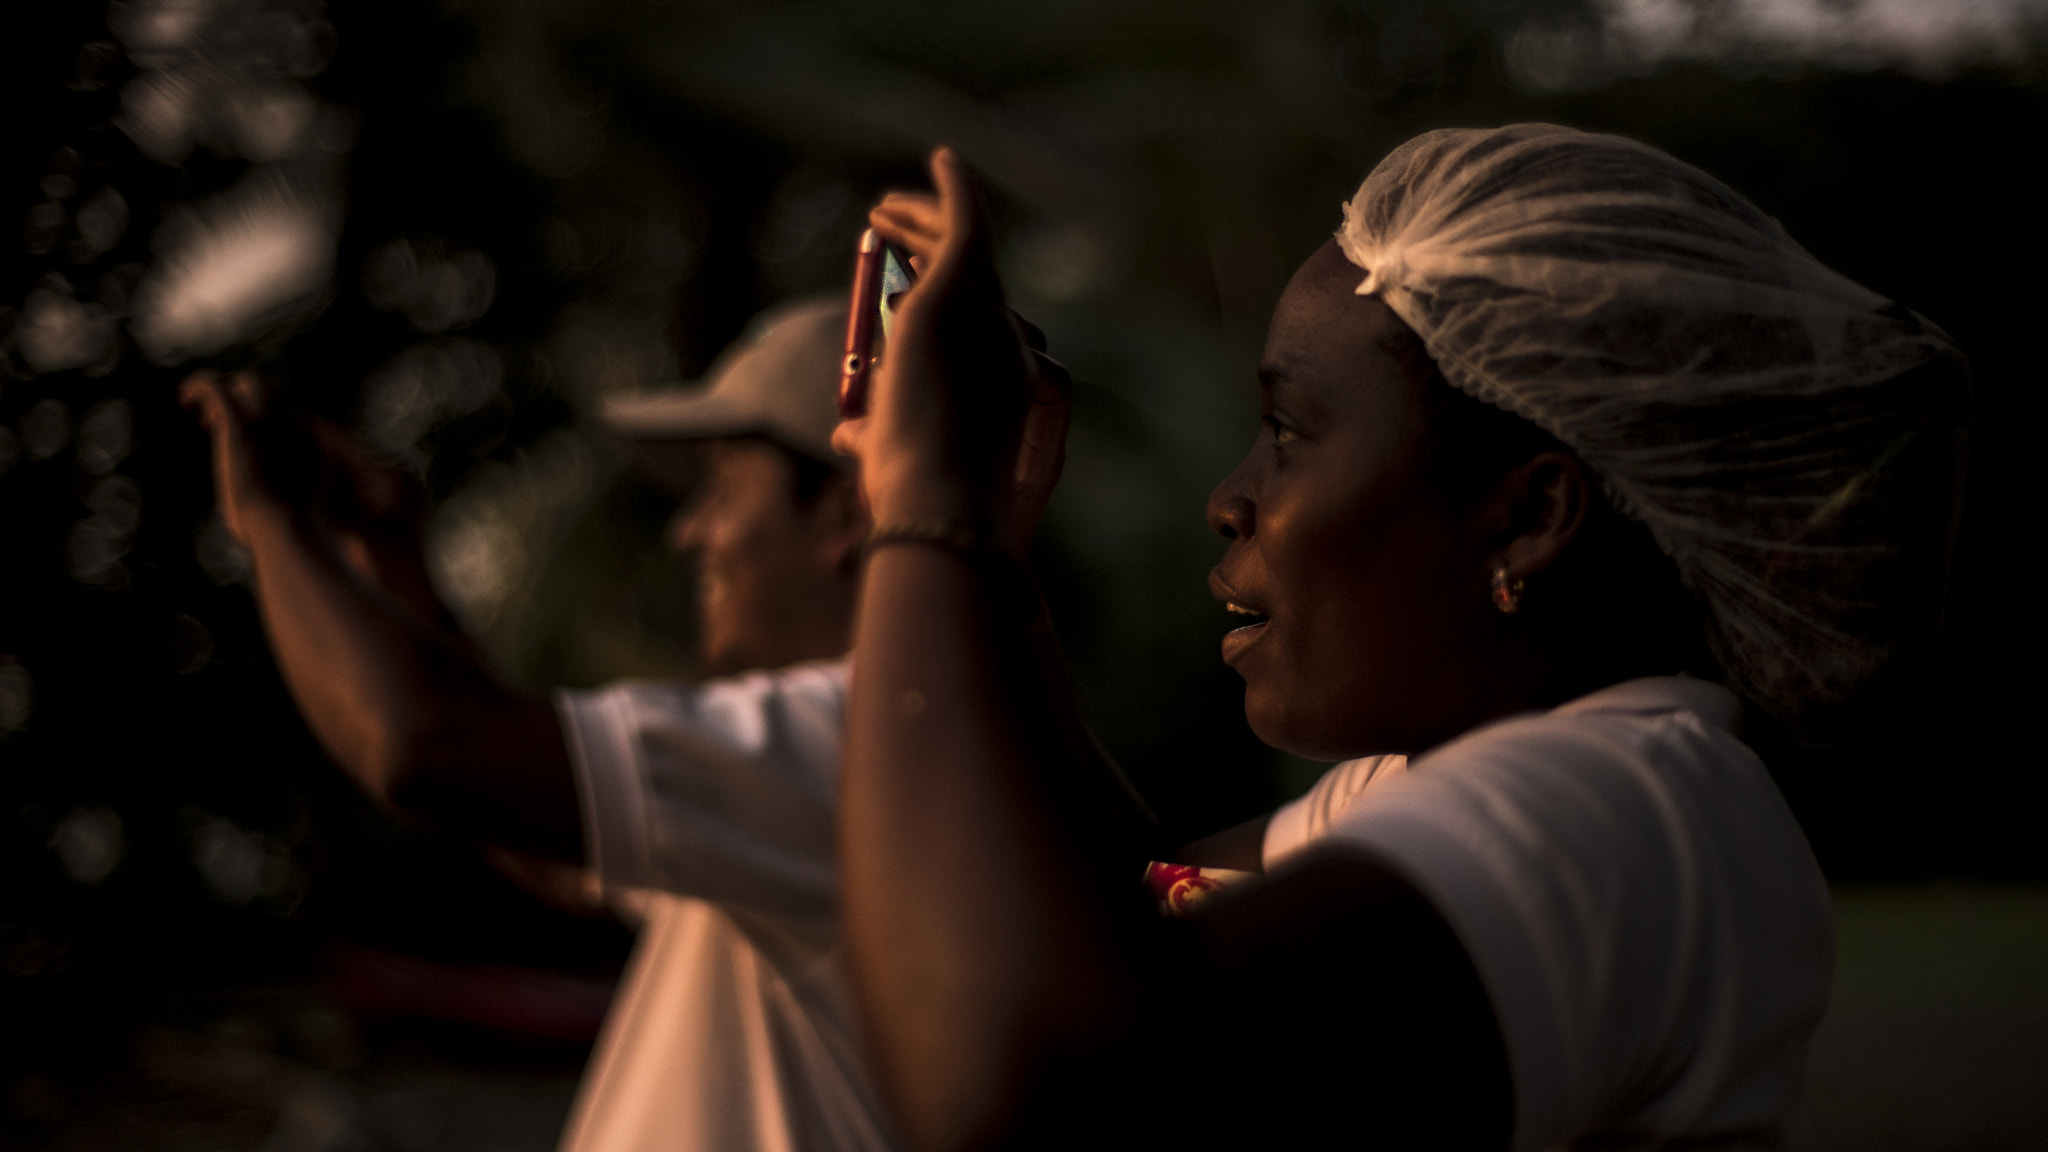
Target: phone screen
[896,280]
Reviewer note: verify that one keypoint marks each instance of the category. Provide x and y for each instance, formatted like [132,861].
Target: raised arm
[1016,987]
[399,699]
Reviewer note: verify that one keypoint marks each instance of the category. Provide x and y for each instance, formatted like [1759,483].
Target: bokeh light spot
[158,113]
[1060,262]
[157,28]
[230,268]
[44,429]
[89,844]
[435,293]
[269,123]
[103,220]
[1611,38]
[480,542]
[238,865]
[94,546]
[106,436]
[17,695]
[44,227]
[117,502]
[59,332]
[426,385]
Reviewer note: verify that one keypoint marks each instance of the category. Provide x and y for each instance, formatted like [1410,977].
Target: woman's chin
[1279,721]
[1276,727]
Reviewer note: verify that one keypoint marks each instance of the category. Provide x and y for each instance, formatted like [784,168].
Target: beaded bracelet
[1009,584]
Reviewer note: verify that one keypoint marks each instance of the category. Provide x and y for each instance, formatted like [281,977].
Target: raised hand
[270,469]
[245,482]
[967,421]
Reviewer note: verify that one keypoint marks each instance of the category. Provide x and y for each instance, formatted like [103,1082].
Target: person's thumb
[234,469]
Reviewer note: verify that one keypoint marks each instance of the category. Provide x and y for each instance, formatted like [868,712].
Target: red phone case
[859,360]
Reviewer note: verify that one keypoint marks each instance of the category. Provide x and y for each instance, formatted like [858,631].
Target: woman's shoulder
[1623,873]
[1650,773]
[1615,771]
[1648,713]
[1674,737]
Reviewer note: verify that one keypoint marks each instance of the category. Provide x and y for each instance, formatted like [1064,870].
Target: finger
[965,253]
[850,437]
[922,230]
[245,390]
[1050,379]
[227,437]
[923,225]
[918,213]
[920,244]
[1042,449]
[204,396]
[200,392]
[1034,336]
[205,393]
[919,217]
[1043,444]
[958,204]
[229,430]
[1041,456]
[194,390]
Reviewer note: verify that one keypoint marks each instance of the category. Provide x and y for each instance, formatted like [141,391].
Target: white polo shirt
[1645,914]
[708,812]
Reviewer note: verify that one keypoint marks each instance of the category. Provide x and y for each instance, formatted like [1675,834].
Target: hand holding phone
[881,272]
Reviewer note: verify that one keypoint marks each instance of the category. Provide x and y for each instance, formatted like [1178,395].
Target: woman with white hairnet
[1570,459]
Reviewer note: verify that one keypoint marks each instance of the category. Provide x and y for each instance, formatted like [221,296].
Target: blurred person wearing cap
[705,811]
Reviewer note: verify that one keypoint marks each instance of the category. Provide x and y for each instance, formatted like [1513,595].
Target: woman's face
[1365,589]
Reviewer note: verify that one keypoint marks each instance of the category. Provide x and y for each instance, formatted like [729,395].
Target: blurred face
[1362,592]
[774,580]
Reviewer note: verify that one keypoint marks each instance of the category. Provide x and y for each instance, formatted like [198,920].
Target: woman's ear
[1540,506]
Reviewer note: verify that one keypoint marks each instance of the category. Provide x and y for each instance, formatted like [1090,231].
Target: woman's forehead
[1324,335]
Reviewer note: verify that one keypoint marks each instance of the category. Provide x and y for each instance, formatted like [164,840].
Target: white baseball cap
[780,379]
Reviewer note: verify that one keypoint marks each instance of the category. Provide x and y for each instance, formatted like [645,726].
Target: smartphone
[881,272]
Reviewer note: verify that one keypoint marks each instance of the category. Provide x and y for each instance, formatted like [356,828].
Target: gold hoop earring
[1507,594]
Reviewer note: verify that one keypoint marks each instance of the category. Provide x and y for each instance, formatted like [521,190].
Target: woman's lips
[1244,636]
[1238,639]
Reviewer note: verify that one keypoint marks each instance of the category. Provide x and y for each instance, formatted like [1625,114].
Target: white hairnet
[1791,438]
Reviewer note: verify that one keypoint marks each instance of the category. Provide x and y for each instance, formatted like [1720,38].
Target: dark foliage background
[634,181]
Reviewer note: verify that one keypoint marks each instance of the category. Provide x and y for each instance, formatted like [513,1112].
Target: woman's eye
[1282,434]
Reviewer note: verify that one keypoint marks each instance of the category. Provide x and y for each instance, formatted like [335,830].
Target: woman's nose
[1230,509]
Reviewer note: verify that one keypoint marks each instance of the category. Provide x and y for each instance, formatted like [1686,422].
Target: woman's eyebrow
[1277,387]
[1279,363]
[1277,374]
